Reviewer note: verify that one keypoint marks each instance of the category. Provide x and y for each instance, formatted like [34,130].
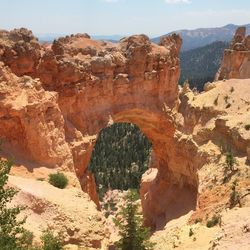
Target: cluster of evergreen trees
[120,157]
[200,65]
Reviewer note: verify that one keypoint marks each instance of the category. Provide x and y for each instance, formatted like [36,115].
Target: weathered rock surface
[54,100]
[216,121]
[94,83]
[236,60]
[20,50]
[232,233]
[31,123]
[69,212]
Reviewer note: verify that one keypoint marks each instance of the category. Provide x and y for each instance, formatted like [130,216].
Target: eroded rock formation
[236,60]
[92,83]
[216,120]
[31,121]
[54,100]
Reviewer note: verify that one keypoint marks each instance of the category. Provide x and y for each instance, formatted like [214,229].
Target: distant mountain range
[201,54]
[191,38]
[51,37]
[200,65]
[200,37]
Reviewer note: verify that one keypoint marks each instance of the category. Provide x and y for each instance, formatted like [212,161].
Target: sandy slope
[216,119]
[69,211]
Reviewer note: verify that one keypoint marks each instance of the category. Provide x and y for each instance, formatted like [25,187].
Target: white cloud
[177,1]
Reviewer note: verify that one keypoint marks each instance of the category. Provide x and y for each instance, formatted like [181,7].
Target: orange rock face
[236,60]
[54,100]
[20,50]
[84,86]
[31,123]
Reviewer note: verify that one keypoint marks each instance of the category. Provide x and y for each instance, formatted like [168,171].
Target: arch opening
[169,189]
[120,157]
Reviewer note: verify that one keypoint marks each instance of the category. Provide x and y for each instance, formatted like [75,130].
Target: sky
[125,17]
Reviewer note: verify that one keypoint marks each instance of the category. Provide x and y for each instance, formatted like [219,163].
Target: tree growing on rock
[50,241]
[134,236]
[234,196]
[229,169]
[12,234]
[230,161]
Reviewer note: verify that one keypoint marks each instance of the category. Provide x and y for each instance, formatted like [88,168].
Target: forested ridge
[200,65]
[120,157]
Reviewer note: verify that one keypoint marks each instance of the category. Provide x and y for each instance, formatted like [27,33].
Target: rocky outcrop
[31,123]
[215,123]
[93,84]
[54,100]
[236,60]
[20,50]
[211,115]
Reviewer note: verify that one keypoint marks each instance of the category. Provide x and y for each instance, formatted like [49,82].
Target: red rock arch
[173,189]
[84,84]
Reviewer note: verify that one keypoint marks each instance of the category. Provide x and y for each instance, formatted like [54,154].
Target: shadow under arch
[171,191]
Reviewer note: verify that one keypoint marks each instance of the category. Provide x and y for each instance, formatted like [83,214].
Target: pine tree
[12,234]
[134,236]
[117,148]
[230,161]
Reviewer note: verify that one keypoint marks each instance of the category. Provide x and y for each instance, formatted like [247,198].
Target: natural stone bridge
[84,86]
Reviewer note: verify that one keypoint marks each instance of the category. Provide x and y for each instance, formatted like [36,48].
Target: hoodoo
[236,60]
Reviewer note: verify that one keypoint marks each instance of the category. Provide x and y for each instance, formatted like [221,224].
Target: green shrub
[58,180]
[112,205]
[225,179]
[214,221]
[247,127]
[51,242]
[198,220]
[230,161]
[106,206]
[191,232]
[40,179]
[107,214]
[26,240]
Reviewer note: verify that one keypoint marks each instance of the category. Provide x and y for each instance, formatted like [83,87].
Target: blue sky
[106,17]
